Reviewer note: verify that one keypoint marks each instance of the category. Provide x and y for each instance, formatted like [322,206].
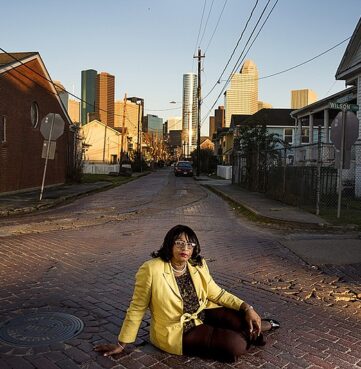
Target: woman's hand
[254,322]
[110,349]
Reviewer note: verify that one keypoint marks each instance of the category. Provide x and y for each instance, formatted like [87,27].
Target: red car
[183,168]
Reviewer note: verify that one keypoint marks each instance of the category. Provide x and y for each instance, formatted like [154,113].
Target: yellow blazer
[156,289]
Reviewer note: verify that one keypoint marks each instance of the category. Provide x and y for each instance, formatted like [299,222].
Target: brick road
[81,259]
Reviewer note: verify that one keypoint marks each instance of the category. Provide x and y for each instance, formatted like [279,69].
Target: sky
[149,44]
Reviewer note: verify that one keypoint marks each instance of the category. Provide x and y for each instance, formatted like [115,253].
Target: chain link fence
[306,176]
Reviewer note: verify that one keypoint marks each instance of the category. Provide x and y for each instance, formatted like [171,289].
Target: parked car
[183,168]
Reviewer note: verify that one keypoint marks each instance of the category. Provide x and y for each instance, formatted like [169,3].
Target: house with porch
[349,71]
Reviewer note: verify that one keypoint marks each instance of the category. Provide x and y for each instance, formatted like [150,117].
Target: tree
[259,149]
[208,161]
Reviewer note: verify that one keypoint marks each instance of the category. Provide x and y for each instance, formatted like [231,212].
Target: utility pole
[199,57]
[139,138]
[105,140]
[123,128]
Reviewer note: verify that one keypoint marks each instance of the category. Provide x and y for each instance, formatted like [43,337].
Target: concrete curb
[294,223]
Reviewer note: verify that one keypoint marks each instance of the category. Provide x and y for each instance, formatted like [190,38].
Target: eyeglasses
[184,244]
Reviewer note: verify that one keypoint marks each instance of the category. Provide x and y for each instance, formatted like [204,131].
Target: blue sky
[149,44]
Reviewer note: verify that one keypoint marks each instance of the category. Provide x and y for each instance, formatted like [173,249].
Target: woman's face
[182,250]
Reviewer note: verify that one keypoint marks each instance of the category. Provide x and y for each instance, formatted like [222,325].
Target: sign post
[344,141]
[341,164]
[50,131]
[47,157]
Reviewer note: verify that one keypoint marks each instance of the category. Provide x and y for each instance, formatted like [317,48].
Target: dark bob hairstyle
[166,250]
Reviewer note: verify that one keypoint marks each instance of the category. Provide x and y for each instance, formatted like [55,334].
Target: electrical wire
[236,65]
[57,86]
[205,26]
[66,91]
[234,49]
[215,29]
[199,31]
[306,61]
[164,109]
[239,60]
[300,64]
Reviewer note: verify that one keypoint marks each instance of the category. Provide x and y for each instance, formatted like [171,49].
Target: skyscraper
[88,93]
[154,124]
[133,116]
[242,96]
[63,94]
[301,98]
[74,110]
[105,98]
[174,124]
[218,121]
[189,113]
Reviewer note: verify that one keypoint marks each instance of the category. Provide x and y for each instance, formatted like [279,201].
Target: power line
[239,60]
[215,29]
[205,26]
[306,61]
[199,31]
[60,87]
[234,50]
[290,68]
[164,109]
[235,66]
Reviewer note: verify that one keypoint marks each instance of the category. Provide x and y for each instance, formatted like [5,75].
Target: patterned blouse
[190,298]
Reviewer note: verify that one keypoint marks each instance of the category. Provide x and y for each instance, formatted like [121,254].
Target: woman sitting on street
[190,313]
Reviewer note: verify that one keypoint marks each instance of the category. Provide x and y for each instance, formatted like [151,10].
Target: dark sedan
[183,168]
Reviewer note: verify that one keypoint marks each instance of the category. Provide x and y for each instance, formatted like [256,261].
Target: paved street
[81,259]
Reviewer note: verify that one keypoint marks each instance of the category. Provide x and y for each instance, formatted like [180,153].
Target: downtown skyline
[282,43]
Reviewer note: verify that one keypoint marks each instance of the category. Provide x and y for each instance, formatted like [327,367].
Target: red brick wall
[21,165]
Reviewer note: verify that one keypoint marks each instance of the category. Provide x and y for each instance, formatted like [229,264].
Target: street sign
[52,127]
[343,106]
[46,126]
[52,147]
[351,130]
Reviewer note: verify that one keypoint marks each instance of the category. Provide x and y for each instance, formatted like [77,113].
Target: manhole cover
[40,329]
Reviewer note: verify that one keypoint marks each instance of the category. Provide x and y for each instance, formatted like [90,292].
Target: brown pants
[224,336]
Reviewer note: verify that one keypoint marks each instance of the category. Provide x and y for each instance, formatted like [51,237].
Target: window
[305,135]
[288,135]
[2,129]
[34,114]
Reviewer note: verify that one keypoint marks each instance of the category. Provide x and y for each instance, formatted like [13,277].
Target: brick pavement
[89,272]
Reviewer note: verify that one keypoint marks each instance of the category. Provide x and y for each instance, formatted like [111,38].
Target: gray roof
[238,119]
[11,58]
[350,65]
[270,117]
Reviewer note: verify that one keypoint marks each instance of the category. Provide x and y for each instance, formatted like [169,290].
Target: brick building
[27,95]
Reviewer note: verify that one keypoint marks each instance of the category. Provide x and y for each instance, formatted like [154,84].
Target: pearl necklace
[179,271]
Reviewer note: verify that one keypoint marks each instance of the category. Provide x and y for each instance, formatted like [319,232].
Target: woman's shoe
[274,324]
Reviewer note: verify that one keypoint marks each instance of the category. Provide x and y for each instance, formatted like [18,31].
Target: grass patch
[115,180]
[348,216]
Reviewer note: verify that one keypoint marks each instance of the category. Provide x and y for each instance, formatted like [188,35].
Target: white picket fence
[100,168]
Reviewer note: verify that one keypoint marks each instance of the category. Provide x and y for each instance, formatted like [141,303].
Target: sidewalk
[315,249]
[27,202]
[263,207]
